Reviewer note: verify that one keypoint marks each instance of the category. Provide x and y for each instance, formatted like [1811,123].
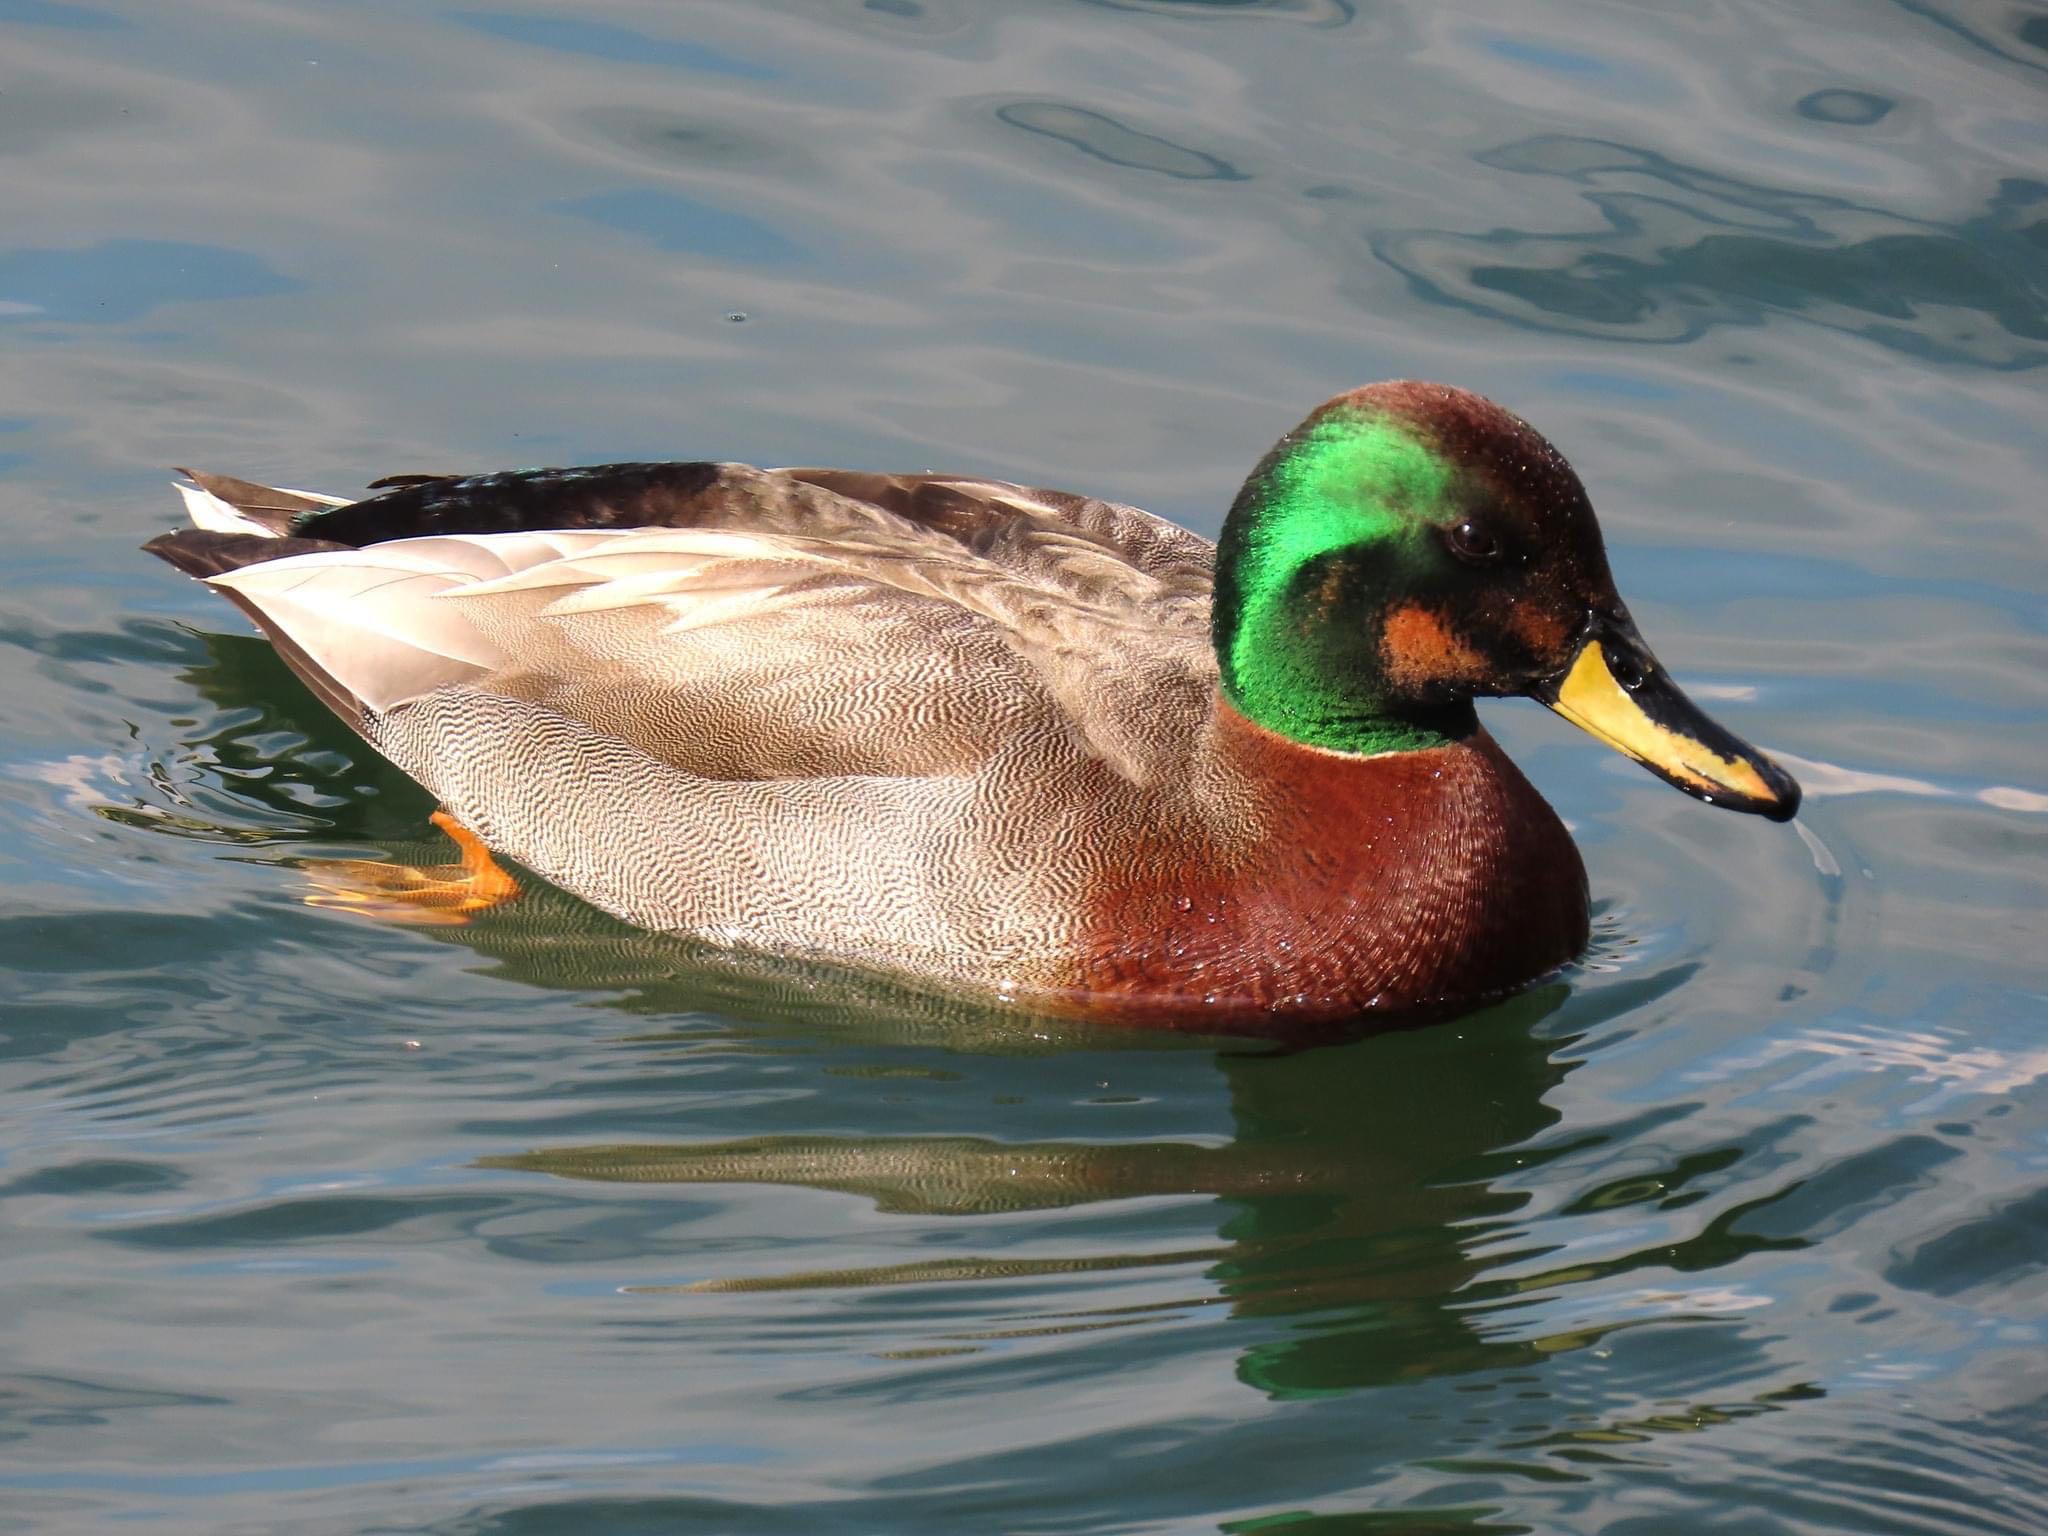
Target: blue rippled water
[544,1225]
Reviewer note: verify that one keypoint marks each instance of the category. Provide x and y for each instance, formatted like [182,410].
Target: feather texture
[902,637]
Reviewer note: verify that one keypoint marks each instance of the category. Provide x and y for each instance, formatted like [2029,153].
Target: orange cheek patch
[1545,634]
[1421,648]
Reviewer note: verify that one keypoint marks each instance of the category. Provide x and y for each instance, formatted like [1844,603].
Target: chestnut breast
[1317,885]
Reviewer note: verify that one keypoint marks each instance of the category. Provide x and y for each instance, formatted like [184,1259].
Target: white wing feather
[365,615]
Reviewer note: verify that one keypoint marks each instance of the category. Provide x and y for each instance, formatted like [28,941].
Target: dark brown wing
[990,515]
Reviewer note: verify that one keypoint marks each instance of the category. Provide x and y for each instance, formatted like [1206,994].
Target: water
[542,1225]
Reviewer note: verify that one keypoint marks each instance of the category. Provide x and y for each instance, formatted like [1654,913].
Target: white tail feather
[208,511]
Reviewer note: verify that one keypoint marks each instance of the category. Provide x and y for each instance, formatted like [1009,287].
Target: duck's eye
[1472,542]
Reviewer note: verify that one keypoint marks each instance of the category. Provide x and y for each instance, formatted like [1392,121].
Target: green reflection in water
[1356,1197]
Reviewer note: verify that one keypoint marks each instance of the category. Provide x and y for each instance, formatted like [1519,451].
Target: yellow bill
[1614,690]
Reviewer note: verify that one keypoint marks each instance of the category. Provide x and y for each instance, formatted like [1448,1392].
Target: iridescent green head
[1411,546]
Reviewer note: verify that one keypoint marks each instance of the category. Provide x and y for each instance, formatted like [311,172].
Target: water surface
[546,1225]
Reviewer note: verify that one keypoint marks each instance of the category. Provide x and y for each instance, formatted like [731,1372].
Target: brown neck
[1322,884]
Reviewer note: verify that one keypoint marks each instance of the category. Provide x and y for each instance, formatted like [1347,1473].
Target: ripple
[1095,133]
[2030,31]
[1857,109]
[1682,250]
[614,44]
[69,1401]
[677,141]
[2000,1248]
[673,222]
[98,1176]
[1315,13]
[118,281]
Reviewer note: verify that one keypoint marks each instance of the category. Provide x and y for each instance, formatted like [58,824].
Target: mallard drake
[1021,742]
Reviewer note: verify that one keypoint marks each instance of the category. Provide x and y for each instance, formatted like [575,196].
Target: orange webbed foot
[423,895]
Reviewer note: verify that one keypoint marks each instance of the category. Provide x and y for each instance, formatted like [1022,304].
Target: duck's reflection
[1355,1188]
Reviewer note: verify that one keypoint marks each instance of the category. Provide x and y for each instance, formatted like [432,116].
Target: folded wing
[888,647]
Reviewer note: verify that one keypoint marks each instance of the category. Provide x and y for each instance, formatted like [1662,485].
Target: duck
[1018,744]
